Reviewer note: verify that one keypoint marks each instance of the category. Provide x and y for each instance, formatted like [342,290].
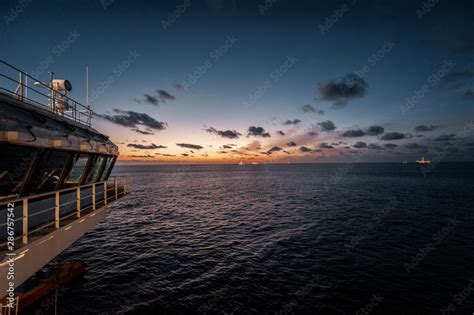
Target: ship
[55,182]
[423,161]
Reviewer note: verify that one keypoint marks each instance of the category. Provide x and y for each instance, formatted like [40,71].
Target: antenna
[87,86]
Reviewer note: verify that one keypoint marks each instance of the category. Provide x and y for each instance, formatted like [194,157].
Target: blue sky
[254,40]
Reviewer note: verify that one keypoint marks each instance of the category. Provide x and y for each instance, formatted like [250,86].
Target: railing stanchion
[56,211]
[25,221]
[105,192]
[78,202]
[116,187]
[93,196]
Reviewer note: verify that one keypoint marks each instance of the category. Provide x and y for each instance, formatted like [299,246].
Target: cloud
[227,146]
[327,125]
[165,154]
[185,154]
[446,137]
[161,97]
[291,144]
[274,149]
[145,147]
[257,132]
[353,133]
[304,149]
[142,156]
[178,87]
[151,99]
[280,132]
[374,146]
[292,122]
[311,109]
[390,145]
[424,128]
[468,95]
[143,132]
[461,43]
[375,130]
[360,145]
[190,146]
[414,146]
[324,145]
[456,79]
[134,119]
[393,136]
[165,96]
[229,134]
[343,90]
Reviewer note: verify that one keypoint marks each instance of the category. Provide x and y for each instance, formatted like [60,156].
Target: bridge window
[78,169]
[108,168]
[48,171]
[15,163]
[97,167]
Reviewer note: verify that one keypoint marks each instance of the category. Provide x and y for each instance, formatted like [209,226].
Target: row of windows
[26,171]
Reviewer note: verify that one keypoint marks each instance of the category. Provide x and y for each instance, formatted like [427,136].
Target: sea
[381,238]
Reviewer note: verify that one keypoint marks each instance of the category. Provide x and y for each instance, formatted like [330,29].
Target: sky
[269,81]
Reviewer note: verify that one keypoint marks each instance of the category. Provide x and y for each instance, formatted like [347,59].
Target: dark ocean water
[304,239]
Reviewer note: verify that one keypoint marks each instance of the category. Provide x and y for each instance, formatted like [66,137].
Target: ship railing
[46,98]
[38,215]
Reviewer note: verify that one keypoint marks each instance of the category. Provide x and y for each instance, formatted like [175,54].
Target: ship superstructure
[55,182]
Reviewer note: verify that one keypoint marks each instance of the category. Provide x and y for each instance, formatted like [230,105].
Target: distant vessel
[423,161]
[241,163]
[405,162]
